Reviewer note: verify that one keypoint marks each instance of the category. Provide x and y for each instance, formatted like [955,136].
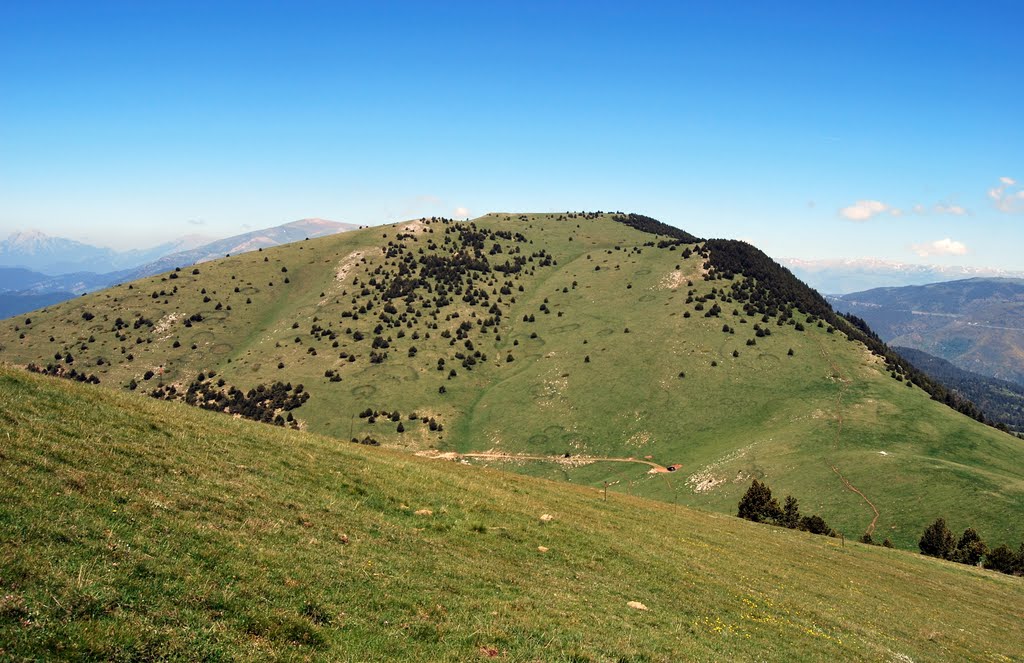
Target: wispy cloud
[197,222]
[955,210]
[1008,196]
[940,247]
[460,212]
[863,210]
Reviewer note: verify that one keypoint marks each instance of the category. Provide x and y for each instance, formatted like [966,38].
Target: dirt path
[492,455]
[850,486]
[845,385]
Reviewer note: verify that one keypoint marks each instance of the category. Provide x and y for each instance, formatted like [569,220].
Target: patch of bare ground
[711,475]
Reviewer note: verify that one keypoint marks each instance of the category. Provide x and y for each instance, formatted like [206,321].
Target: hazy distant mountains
[37,270]
[251,241]
[54,256]
[976,324]
[844,276]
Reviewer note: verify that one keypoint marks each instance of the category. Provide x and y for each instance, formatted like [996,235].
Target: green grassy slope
[132,529]
[787,419]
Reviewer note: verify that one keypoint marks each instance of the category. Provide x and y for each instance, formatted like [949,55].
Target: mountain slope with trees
[571,338]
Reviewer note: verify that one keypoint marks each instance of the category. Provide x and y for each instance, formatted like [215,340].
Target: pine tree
[790,513]
[970,549]
[758,504]
[815,525]
[1001,559]
[937,540]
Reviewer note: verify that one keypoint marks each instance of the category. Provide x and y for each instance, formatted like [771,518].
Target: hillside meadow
[135,529]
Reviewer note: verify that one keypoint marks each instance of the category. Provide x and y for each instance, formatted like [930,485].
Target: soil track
[850,486]
[845,385]
[491,455]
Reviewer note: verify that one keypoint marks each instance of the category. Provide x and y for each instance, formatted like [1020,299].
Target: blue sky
[812,130]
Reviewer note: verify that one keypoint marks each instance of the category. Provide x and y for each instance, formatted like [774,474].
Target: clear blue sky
[126,123]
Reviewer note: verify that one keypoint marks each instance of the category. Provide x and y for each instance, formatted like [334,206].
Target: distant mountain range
[251,241]
[30,262]
[54,256]
[845,276]
[976,324]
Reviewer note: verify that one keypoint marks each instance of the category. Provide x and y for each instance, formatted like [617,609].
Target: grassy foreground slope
[131,528]
[553,334]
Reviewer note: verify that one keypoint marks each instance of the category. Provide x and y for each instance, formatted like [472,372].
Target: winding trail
[837,372]
[493,455]
[850,486]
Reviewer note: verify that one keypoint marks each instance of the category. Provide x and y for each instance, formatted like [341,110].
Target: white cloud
[955,210]
[940,247]
[460,213]
[862,210]
[1008,196]
[197,222]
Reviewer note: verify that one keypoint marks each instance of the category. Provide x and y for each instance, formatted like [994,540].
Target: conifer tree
[758,504]
[937,540]
[1001,558]
[970,549]
[790,513]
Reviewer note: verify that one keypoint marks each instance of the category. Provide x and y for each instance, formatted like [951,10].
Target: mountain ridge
[55,256]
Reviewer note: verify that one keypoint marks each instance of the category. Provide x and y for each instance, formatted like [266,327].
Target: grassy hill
[547,335]
[134,529]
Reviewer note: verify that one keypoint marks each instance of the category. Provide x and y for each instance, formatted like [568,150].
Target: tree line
[938,541]
[758,505]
